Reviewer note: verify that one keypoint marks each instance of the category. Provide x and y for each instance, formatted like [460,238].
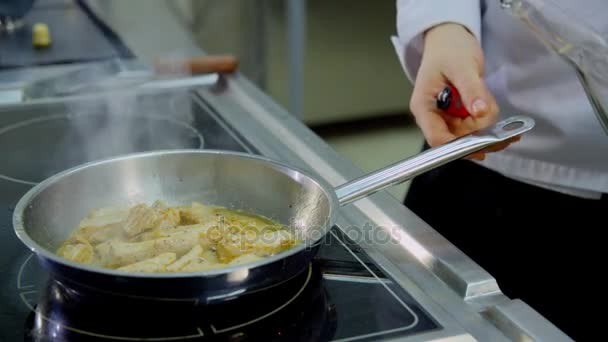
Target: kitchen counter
[423,262]
[461,296]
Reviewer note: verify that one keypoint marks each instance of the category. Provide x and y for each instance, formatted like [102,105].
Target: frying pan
[47,214]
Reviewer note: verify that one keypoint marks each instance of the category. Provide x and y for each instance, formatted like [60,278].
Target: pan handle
[432,158]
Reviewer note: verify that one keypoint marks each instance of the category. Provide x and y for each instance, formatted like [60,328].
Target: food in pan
[159,238]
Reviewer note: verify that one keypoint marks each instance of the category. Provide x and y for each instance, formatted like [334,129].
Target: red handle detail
[450,102]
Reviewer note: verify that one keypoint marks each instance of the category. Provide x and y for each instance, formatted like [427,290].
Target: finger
[477,156]
[489,118]
[470,124]
[469,82]
[481,155]
[494,107]
[423,106]
[502,145]
[434,129]
[431,123]
[460,126]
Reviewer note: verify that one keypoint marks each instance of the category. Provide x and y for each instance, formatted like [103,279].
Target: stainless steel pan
[46,215]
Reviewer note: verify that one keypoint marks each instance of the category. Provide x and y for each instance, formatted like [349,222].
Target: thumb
[473,91]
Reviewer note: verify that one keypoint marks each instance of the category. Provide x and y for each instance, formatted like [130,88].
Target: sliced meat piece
[229,247]
[196,213]
[245,259]
[117,253]
[198,228]
[179,243]
[80,251]
[200,264]
[152,234]
[269,243]
[156,264]
[141,218]
[210,256]
[104,216]
[193,255]
[168,218]
[101,222]
[105,233]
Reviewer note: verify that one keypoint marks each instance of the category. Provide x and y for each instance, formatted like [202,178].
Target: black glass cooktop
[342,296]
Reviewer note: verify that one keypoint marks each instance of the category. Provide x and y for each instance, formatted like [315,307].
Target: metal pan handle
[432,158]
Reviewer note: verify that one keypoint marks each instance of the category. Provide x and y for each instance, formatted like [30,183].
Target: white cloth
[567,151]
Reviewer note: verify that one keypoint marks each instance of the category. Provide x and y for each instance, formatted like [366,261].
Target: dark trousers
[543,247]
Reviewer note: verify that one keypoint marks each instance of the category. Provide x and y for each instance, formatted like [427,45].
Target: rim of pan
[26,199]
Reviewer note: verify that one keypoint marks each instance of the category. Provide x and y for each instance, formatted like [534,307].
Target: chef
[532,214]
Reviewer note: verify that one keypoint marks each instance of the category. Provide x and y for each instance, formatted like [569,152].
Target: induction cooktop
[342,296]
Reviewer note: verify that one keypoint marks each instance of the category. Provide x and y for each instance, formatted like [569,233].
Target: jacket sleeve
[414,17]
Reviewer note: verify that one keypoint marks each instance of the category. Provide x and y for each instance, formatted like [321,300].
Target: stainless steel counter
[453,287]
[464,298]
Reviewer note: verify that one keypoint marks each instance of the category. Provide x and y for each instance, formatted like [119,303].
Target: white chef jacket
[567,151]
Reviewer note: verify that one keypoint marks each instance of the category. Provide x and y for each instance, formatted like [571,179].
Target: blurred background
[331,63]
[334,56]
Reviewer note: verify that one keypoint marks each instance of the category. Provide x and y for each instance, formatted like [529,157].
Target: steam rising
[122,120]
